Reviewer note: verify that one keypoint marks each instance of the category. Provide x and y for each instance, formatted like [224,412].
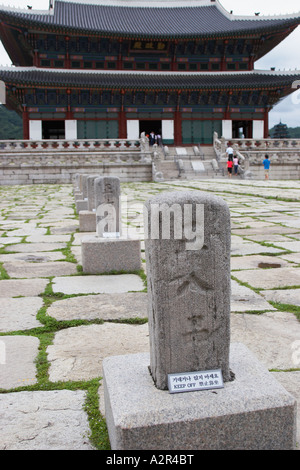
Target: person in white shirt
[229,151]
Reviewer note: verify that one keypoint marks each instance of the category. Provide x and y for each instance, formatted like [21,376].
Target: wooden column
[25,117]
[266,124]
[178,122]
[122,119]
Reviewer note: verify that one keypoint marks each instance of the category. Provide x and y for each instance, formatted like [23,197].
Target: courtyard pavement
[57,324]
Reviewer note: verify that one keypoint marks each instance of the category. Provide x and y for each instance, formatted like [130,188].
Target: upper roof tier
[137,18]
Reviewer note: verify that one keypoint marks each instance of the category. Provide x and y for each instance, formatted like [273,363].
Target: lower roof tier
[121,80]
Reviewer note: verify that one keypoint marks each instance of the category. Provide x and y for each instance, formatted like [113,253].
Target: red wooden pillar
[36,58]
[122,119]
[122,125]
[178,128]
[25,124]
[266,124]
[178,122]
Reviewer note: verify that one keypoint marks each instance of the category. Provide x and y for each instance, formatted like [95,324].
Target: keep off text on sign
[195,381]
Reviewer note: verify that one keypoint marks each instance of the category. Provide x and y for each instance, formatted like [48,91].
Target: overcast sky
[285,56]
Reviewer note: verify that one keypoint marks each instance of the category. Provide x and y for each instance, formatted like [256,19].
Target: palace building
[111,69]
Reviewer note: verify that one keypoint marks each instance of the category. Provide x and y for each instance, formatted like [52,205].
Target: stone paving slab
[31,270]
[60,238]
[52,420]
[284,296]
[102,306]
[244,299]
[269,336]
[291,382]
[26,230]
[257,262]
[10,240]
[290,245]
[253,248]
[110,284]
[270,238]
[19,314]
[270,278]
[77,353]
[36,257]
[35,247]
[277,229]
[18,368]
[23,287]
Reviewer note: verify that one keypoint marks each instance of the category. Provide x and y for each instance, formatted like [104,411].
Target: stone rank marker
[108,250]
[188,271]
[188,284]
[107,195]
[87,218]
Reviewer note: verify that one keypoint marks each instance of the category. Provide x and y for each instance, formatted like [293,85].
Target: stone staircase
[187,163]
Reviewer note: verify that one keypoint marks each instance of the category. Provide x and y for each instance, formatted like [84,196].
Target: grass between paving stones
[3,273]
[280,307]
[287,308]
[46,334]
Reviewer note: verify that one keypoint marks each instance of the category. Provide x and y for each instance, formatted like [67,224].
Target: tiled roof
[119,80]
[139,21]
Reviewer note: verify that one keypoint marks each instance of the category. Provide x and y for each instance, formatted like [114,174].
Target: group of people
[154,138]
[233,163]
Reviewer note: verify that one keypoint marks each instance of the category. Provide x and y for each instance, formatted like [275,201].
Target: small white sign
[195,381]
[111,235]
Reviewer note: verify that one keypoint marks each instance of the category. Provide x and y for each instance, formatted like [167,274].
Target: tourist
[266,164]
[229,166]
[152,138]
[236,164]
[229,151]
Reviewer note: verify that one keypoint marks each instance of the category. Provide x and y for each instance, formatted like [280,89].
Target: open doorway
[53,129]
[150,127]
[241,129]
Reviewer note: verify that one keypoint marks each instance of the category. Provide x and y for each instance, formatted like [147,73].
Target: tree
[11,126]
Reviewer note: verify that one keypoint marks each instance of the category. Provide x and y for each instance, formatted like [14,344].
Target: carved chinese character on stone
[188,269]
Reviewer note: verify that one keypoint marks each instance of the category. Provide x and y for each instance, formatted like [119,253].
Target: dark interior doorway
[150,126]
[242,129]
[53,129]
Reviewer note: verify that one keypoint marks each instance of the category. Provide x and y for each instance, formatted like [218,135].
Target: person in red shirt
[229,167]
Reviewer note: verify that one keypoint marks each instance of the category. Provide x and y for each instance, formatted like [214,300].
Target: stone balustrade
[63,145]
[284,155]
[56,161]
[80,160]
[254,148]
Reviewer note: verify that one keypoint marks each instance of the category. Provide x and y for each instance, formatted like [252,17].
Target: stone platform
[252,412]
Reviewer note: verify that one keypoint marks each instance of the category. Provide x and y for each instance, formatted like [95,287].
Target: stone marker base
[77,194]
[81,205]
[87,221]
[253,412]
[103,255]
